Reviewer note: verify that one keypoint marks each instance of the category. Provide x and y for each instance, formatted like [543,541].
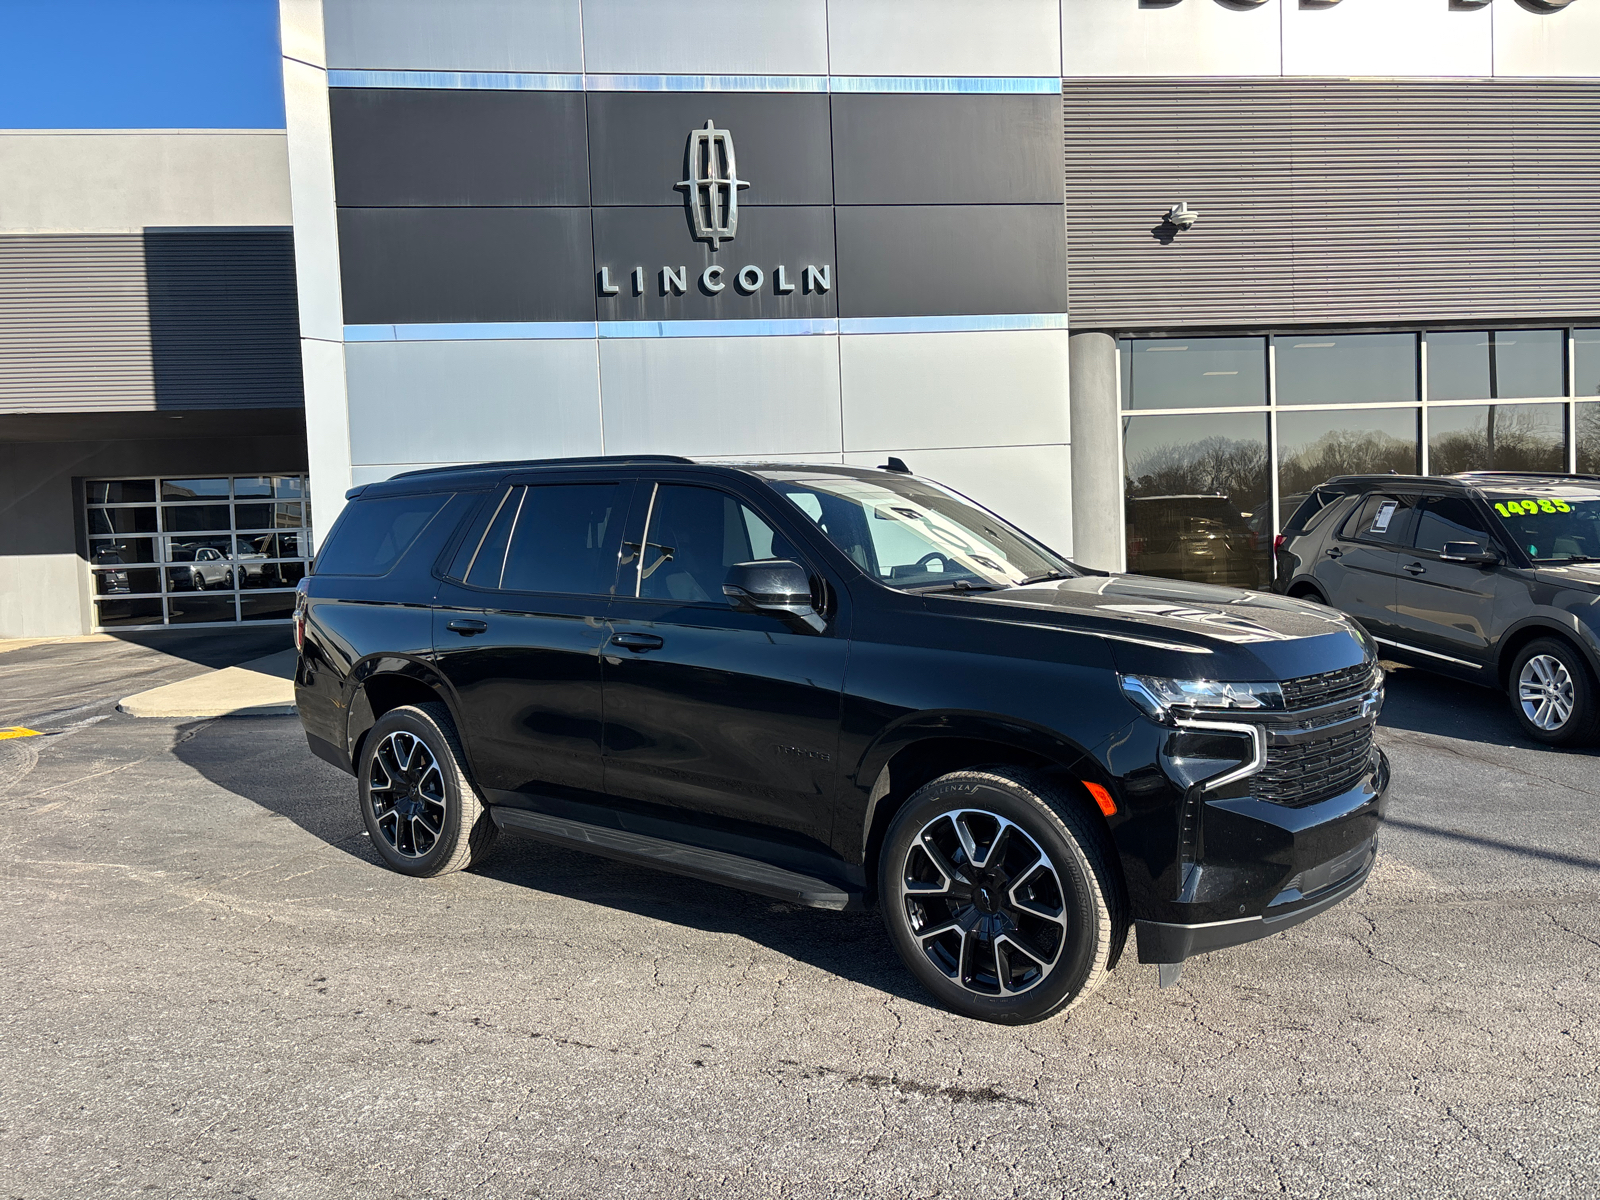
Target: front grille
[1311,690]
[1310,772]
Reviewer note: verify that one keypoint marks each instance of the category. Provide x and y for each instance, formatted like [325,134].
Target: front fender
[952,725]
[1568,621]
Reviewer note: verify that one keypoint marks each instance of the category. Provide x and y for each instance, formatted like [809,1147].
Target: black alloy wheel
[1553,694]
[1001,895]
[421,811]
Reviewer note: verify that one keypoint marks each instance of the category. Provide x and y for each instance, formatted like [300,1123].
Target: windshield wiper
[1574,558]
[1044,578]
[960,585]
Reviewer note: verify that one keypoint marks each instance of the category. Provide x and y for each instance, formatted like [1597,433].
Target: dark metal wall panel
[1327,201]
[638,143]
[916,149]
[109,322]
[949,260]
[403,265]
[224,321]
[434,147]
[769,237]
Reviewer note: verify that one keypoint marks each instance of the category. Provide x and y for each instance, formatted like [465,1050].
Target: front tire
[1001,895]
[1553,694]
[421,811]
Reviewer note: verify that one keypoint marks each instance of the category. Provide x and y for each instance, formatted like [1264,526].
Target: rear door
[518,629]
[1444,611]
[1360,564]
[711,710]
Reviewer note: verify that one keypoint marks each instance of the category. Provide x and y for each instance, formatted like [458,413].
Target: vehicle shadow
[265,761]
[1422,702]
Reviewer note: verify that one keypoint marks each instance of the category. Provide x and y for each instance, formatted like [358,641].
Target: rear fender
[361,713]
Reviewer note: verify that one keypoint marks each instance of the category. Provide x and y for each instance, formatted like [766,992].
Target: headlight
[1155,696]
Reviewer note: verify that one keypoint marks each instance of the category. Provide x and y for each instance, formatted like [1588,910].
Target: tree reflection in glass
[1313,447]
[1497,437]
[1197,493]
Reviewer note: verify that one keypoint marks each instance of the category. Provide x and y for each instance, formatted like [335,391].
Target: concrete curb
[263,687]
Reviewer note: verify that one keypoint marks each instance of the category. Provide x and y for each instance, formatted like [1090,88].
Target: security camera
[1181,216]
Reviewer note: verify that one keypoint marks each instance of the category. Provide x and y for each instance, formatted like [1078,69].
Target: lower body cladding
[1251,866]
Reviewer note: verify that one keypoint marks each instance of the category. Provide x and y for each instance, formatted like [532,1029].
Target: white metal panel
[722,396]
[723,37]
[115,180]
[1195,38]
[1388,37]
[919,390]
[472,401]
[316,228]
[300,31]
[1030,486]
[43,595]
[455,35]
[1562,43]
[945,37]
[327,431]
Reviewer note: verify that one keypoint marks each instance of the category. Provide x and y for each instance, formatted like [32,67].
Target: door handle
[1335,552]
[1415,569]
[467,628]
[637,642]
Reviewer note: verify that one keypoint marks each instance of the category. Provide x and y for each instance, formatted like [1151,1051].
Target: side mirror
[776,586]
[1469,552]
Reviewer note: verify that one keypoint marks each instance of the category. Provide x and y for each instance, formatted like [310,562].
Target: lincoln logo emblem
[712,189]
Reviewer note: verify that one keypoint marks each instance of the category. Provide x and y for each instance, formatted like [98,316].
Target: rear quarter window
[372,535]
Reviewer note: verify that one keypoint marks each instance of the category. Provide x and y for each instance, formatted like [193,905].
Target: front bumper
[1323,854]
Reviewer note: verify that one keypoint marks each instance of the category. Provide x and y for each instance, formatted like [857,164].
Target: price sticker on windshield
[1517,508]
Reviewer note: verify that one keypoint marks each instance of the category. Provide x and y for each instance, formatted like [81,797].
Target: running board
[713,866]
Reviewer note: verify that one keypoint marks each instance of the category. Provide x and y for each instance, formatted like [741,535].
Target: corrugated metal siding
[107,322]
[74,324]
[1332,201]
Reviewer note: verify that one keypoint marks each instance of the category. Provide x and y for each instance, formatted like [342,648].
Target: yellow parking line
[17,731]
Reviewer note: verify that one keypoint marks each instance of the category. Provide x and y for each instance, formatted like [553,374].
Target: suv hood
[1172,627]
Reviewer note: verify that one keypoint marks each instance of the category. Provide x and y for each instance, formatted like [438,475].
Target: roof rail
[597,460]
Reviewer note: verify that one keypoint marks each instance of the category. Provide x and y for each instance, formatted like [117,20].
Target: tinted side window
[1380,518]
[371,535]
[565,539]
[1444,519]
[695,535]
[487,559]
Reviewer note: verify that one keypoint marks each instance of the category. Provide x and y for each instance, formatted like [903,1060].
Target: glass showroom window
[196,551]
[1224,437]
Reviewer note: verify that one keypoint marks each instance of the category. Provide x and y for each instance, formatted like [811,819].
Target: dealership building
[1134,273]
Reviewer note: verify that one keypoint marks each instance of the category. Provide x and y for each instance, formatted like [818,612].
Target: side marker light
[1102,798]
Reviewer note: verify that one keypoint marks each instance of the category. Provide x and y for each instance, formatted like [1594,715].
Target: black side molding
[697,862]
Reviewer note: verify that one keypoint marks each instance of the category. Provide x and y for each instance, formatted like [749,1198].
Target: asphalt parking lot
[211,988]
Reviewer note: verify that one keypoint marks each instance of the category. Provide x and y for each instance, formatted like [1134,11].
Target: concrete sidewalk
[263,687]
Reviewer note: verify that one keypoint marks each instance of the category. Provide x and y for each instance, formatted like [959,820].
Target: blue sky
[140,64]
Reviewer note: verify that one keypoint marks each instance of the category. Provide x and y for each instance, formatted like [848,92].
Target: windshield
[915,535]
[1562,525]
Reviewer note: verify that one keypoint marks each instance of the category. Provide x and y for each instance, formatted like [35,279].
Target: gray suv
[1489,577]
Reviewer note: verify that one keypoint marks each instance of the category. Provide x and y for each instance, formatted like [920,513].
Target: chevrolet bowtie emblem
[712,189]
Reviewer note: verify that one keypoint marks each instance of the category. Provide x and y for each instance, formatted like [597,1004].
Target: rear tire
[1001,894]
[421,811]
[1305,591]
[1553,694]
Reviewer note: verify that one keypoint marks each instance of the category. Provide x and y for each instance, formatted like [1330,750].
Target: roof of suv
[1477,480]
[483,475]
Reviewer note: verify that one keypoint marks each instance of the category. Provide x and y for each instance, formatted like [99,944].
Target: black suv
[841,686]
[1483,576]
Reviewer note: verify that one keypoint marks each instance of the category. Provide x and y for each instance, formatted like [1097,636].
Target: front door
[1360,565]
[519,629]
[709,709]
[1444,611]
